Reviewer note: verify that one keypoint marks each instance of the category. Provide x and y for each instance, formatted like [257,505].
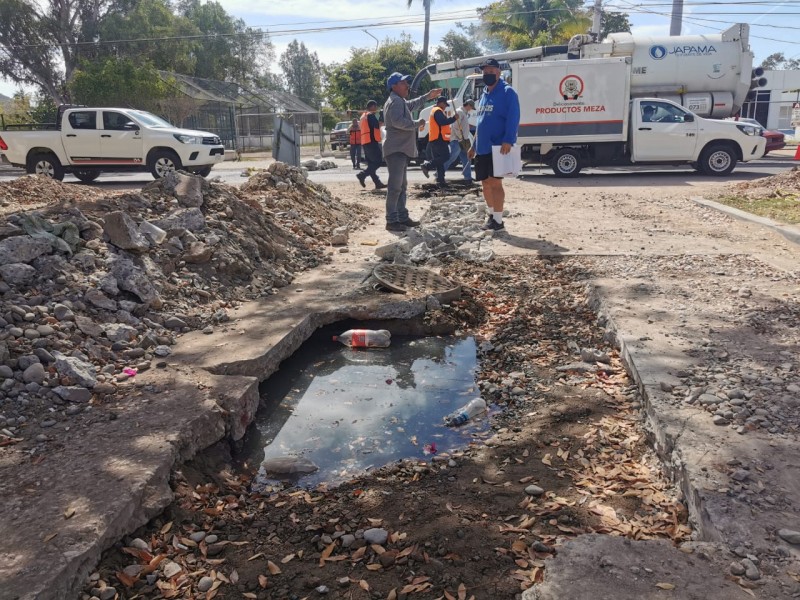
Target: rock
[175,323]
[376,535]
[108,593]
[288,465]
[73,393]
[720,420]
[191,219]
[751,570]
[135,280]
[63,313]
[97,298]
[339,237]
[118,332]
[347,540]
[6,372]
[212,539]
[188,189]
[140,544]
[198,253]
[22,249]
[162,351]
[34,374]
[154,234]
[88,327]
[737,569]
[321,589]
[82,373]
[171,569]
[740,475]
[123,232]
[17,274]
[204,584]
[789,535]
[198,536]
[534,490]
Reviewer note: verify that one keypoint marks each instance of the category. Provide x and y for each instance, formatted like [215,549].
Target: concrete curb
[790,233]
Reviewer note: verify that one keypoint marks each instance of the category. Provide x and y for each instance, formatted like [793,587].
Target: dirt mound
[34,190]
[776,186]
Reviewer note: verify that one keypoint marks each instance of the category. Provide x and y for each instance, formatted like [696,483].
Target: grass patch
[783,208]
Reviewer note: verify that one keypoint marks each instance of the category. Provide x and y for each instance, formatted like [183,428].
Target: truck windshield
[150,120]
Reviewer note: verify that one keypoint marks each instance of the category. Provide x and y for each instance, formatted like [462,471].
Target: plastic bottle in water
[365,338]
[475,407]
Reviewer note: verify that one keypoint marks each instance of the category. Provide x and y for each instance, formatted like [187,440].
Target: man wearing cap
[400,146]
[439,135]
[498,120]
[461,141]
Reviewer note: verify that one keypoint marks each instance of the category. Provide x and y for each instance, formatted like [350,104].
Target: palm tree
[427,34]
[517,24]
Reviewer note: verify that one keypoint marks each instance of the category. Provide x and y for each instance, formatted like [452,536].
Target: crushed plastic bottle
[474,407]
[365,338]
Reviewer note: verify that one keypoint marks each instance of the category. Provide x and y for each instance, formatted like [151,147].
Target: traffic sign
[796,113]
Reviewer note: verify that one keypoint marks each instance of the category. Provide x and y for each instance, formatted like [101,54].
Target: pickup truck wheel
[162,162]
[718,160]
[47,165]
[87,176]
[334,146]
[203,172]
[566,163]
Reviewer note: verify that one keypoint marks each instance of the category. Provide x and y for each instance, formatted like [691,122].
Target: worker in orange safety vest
[438,140]
[355,143]
[371,144]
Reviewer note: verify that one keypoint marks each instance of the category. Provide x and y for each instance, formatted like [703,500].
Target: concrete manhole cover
[404,279]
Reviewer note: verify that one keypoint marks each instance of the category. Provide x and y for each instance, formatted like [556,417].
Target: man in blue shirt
[498,120]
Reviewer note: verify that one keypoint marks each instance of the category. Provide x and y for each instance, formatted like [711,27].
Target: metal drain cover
[404,279]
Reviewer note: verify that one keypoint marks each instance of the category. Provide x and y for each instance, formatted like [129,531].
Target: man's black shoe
[396,227]
[425,170]
[495,226]
[360,178]
[380,186]
[410,223]
[489,223]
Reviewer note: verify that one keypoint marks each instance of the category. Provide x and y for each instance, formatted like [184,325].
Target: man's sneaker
[425,170]
[495,226]
[489,223]
[396,227]
[380,186]
[410,223]
[360,178]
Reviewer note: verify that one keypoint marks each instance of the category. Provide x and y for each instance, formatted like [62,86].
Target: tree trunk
[427,34]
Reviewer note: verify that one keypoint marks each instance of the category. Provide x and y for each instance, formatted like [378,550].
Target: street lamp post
[377,42]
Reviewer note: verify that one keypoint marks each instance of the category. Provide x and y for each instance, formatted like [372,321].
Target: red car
[775,139]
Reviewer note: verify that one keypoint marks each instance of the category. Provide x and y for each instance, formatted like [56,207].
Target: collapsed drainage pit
[350,410]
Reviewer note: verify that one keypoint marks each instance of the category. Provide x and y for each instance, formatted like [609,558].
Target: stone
[175,323]
[376,535]
[140,544]
[153,233]
[340,236]
[123,232]
[287,465]
[188,189]
[347,540]
[534,490]
[720,420]
[789,535]
[97,298]
[198,253]
[22,249]
[118,332]
[108,593]
[198,536]
[73,393]
[135,280]
[6,372]
[171,569]
[88,327]
[162,351]
[34,374]
[212,539]
[63,313]
[17,274]
[751,570]
[77,370]
[321,590]
[737,569]
[740,475]
[204,584]
[191,219]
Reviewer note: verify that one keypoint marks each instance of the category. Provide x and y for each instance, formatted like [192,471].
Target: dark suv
[340,136]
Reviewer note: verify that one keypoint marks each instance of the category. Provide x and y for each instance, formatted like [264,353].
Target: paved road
[231,173]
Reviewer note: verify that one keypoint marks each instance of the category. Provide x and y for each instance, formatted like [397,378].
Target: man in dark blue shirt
[498,120]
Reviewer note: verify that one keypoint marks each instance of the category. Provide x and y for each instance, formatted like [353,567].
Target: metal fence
[255,131]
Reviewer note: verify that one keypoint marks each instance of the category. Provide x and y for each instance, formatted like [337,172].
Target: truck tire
[87,176]
[334,146]
[46,164]
[162,162]
[566,162]
[717,160]
[203,171]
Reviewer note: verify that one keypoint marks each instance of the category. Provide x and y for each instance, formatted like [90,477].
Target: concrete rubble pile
[96,287]
[450,228]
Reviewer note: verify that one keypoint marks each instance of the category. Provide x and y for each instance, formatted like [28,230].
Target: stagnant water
[350,410]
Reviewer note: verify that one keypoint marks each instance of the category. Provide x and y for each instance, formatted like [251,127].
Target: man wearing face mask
[498,120]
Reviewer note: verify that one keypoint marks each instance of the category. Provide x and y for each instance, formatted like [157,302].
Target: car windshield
[343,125]
[150,120]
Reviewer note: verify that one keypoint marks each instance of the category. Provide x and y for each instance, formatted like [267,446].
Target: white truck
[582,104]
[87,141]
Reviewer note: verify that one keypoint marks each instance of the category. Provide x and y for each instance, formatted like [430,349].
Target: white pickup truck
[88,141]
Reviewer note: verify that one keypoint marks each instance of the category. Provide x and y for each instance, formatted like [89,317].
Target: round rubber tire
[47,165]
[162,162]
[566,163]
[87,176]
[717,160]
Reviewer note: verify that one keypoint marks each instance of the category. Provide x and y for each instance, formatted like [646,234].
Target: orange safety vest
[437,132]
[366,137]
[355,137]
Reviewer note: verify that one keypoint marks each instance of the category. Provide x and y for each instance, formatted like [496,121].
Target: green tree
[456,45]
[301,70]
[518,24]
[613,22]
[426,36]
[778,61]
[119,82]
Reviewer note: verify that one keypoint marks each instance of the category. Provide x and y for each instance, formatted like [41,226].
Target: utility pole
[677,17]
[596,18]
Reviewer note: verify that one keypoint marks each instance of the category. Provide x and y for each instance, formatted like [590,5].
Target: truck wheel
[566,163]
[162,162]
[334,146]
[718,160]
[47,165]
[87,176]
[203,172]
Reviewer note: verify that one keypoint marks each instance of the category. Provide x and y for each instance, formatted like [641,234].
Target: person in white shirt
[460,140]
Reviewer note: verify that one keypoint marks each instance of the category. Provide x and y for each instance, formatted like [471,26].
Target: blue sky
[773,24]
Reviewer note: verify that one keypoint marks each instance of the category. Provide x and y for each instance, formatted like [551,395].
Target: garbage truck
[582,103]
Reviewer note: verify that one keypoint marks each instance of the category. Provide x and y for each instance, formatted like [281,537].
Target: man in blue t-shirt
[498,120]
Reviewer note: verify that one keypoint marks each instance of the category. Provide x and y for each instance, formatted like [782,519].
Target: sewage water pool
[352,410]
